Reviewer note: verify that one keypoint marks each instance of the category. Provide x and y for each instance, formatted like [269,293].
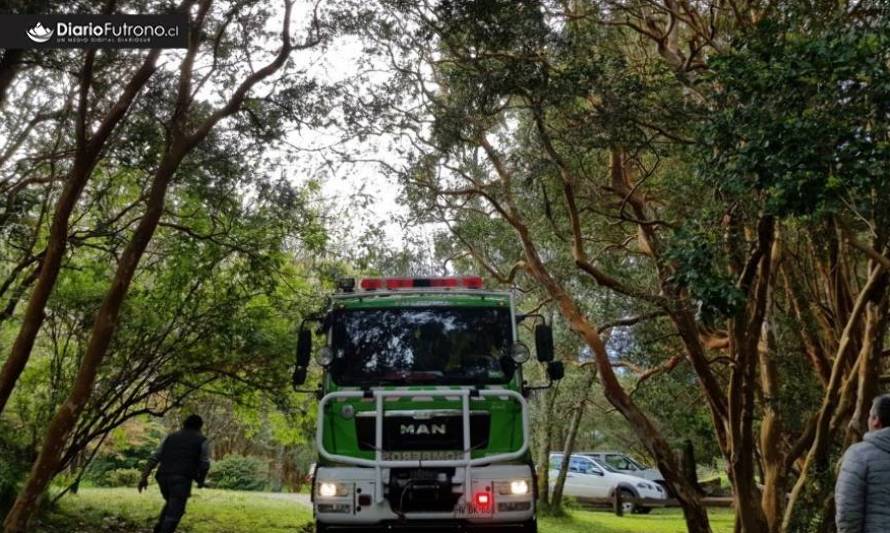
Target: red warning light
[482,499]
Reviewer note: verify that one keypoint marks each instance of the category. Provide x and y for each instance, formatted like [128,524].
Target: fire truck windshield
[421,345]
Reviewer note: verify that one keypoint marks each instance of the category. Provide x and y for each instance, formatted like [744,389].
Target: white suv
[589,480]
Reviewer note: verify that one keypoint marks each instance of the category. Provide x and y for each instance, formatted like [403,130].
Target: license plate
[422,455]
[469,510]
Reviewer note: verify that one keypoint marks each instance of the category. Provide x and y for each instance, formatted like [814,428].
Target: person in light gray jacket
[862,492]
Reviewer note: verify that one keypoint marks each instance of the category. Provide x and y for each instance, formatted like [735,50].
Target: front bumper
[651,497]
[361,502]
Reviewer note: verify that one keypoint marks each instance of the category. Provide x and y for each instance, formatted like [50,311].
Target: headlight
[325,356]
[329,490]
[519,487]
[520,352]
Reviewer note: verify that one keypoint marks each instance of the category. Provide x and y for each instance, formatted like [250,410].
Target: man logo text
[423,429]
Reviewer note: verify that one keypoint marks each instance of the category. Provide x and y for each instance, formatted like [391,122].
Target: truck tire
[531,526]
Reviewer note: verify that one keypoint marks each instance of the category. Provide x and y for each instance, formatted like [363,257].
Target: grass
[125,510]
[658,521]
[209,511]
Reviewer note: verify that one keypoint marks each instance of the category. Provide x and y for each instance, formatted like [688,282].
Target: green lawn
[658,521]
[217,511]
[209,511]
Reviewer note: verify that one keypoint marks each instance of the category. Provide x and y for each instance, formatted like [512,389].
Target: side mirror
[304,347]
[300,374]
[555,370]
[544,343]
[304,353]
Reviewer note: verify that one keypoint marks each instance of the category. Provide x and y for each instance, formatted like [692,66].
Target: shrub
[125,457]
[14,466]
[239,473]
[123,477]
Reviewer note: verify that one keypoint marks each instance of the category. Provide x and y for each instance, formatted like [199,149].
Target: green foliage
[123,477]
[14,464]
[236,472]
[119,457]
[802,117]
[695,251]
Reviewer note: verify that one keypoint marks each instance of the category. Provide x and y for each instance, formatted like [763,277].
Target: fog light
[482,499]
[506,507]
[334,508]
[519,487]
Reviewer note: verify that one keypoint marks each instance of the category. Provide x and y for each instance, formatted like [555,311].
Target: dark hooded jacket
[862,493]
[184,453]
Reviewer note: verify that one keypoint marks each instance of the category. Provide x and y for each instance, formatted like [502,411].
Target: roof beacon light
[464,282]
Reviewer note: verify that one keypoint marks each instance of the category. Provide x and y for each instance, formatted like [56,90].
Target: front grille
[405,433]
[422,490]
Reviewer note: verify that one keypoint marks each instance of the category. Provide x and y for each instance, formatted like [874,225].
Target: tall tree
[669,173]
[189,123]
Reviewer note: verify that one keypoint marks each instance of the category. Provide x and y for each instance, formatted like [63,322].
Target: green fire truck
[422,414]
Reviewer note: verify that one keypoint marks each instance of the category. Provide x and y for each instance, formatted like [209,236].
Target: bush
[123,477]
[14,466]
[239,473]
[125,457]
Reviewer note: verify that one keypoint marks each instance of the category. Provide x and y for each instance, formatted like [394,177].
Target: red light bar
[469,282]
[399,283]
[370,284]
[472,282]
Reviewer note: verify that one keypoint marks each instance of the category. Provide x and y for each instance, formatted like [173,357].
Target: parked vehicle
[622,463]
[589,480]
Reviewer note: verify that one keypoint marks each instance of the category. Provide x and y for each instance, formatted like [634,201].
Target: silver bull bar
[379,463]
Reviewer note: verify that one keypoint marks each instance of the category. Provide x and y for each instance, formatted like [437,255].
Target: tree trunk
[545,444]
[747,330]
[771,426]
[869,369]
[817,457]
[569,447]
[687,464]
[569,444]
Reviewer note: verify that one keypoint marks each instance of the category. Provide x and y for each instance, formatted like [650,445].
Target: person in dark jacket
[862,493]
[184,456]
